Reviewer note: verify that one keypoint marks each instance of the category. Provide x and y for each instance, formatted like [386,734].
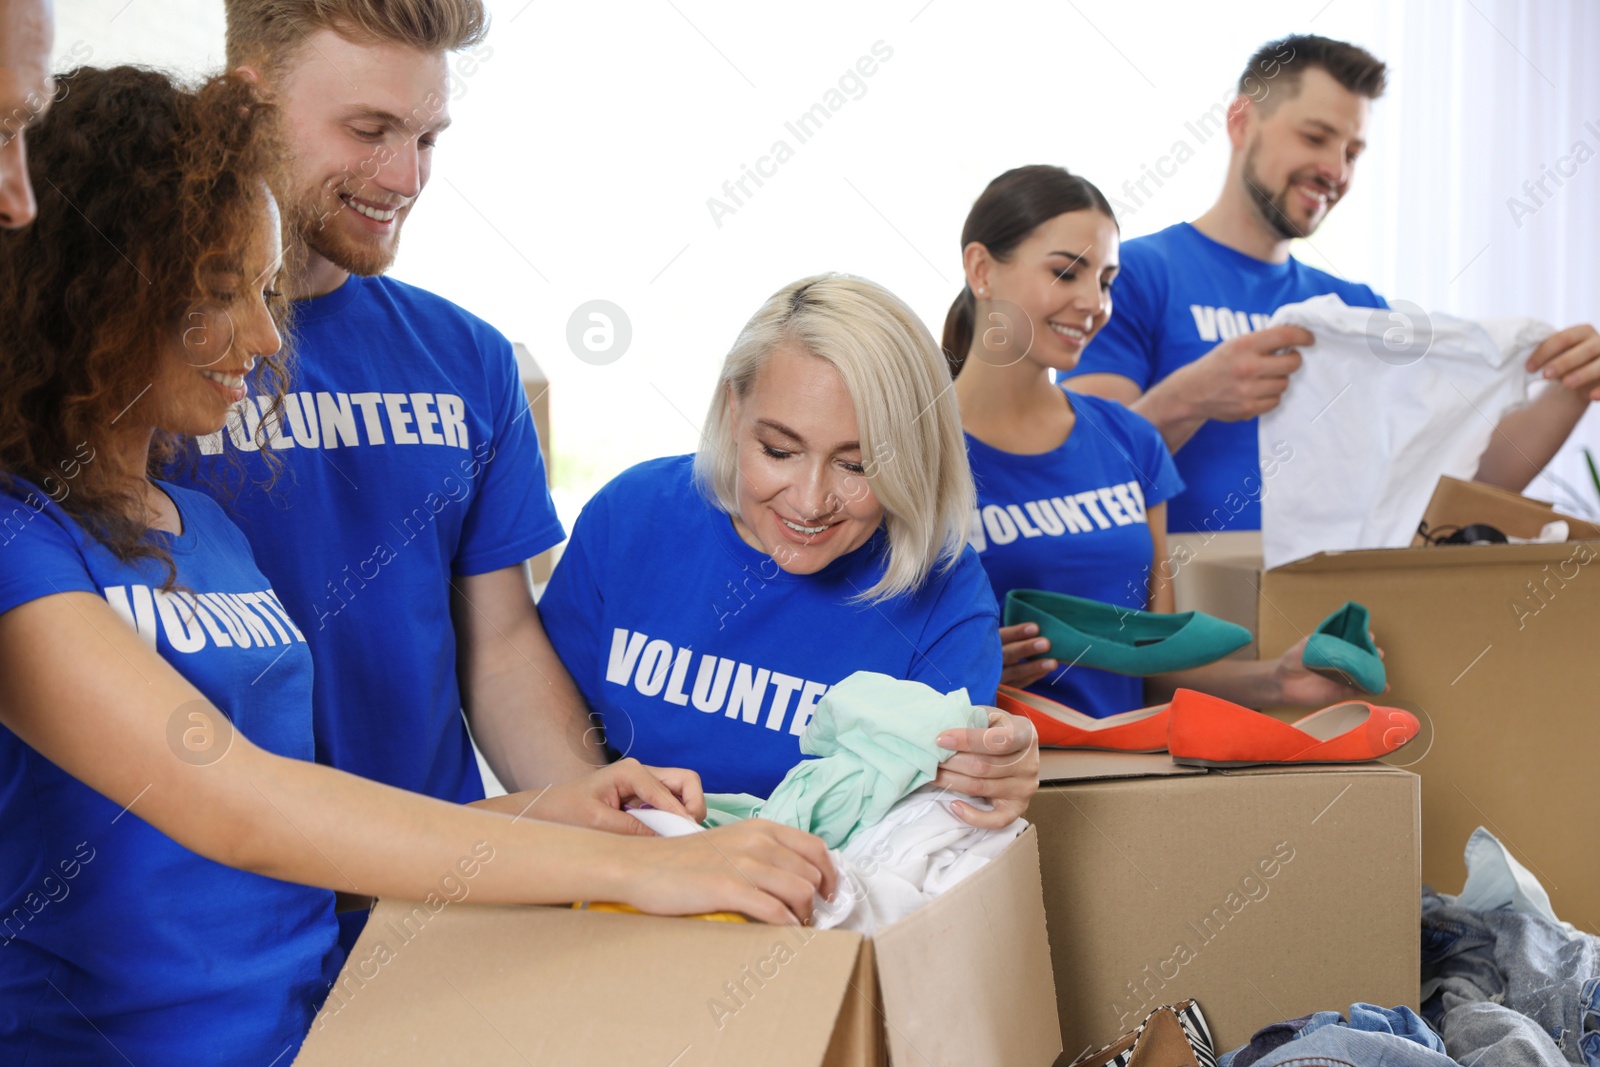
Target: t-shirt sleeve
[511,518]
[1129,343]
[573,601]
[961,641]
[39,556]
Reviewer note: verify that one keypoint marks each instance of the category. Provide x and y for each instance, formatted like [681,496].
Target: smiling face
[1059,277]
[219,341]
[1299,156]
[802,490]
[362,121]
[25,92]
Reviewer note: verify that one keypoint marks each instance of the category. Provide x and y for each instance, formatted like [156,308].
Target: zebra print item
[1193,1021]
[1195,1030]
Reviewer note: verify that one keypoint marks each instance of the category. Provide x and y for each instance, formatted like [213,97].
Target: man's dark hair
[1279,65]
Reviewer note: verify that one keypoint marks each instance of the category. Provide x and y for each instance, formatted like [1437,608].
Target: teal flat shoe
[1342,650]
[1091,633]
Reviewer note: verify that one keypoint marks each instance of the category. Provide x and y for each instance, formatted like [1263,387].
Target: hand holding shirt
[1382,408]
[1180,294]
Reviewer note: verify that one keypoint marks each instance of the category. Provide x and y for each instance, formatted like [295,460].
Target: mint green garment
[875,736]
[725,808]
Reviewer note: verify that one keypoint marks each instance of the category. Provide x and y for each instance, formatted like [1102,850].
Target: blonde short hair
[267,32]
[911,441]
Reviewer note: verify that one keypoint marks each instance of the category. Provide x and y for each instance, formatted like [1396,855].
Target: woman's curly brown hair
[150,192]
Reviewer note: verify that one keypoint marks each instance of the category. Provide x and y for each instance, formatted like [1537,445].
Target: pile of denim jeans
[1507,987]
[1504,984]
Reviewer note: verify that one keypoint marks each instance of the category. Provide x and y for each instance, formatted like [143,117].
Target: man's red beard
[318,222]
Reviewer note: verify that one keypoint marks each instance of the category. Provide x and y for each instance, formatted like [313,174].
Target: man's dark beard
[1274,210]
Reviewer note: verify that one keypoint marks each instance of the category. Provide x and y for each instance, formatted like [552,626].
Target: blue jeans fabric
[1390,1037]
[1504,987]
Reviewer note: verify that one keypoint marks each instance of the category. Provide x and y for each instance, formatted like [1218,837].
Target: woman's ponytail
[958,326]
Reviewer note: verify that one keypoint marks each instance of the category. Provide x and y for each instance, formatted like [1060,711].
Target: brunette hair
[1288,58]
[150,192]
[1012,207]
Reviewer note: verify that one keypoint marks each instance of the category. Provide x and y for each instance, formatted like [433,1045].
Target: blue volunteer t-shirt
[1073,520]
[698,651]
[168,956]
[1180,294]
[409,458]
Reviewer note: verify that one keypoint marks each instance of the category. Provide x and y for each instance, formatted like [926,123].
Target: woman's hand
[999,763]
[758,868]
[1017,644]
[1300,686]
[598,799]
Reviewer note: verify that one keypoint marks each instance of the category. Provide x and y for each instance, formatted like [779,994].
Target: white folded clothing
[919,850]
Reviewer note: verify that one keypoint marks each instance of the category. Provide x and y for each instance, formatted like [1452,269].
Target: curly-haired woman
[163,835]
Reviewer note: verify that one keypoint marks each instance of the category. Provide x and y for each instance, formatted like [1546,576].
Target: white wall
[180,34]
[586,148]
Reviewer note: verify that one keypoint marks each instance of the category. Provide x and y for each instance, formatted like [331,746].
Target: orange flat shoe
[1206,731]
[1058,726]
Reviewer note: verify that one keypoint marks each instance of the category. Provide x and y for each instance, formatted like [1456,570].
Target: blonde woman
[705,603]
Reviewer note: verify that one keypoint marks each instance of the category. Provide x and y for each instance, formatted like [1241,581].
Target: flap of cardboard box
[1075,765]
[480,985]
[1369,767]
[1458,503]
[1429,557]
[977,956]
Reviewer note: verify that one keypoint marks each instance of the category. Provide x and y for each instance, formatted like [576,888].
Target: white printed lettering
[338,420]
[784,687]
[745,699]
[399,419]
[625,648]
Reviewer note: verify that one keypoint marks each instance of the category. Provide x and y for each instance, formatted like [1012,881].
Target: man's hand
[1573,356]
[1243,377]
[597,800]
[1528,438]
[999,763]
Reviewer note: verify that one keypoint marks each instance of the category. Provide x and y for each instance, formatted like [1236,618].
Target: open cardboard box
[964,980]
[1264,893]
[1492,647]
[1456,503]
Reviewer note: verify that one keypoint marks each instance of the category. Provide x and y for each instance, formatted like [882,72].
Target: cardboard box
[962,981]
[1492,647]
[1224,585]
[1456,503]
[1264,893]
[537,388]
